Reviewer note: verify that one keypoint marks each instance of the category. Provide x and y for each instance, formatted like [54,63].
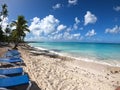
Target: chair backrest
[12,58]
[11,53]
[14,51]
[14,81]
[10,71]
[10,61]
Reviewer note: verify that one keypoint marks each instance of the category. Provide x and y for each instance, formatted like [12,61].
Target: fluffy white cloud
[69,29]
[4,22]
[57,37]
[114,30]
[77,21]
[89,18]
[49,24]
[81,28]
[72,2]
[68,36]
[91,33]
[76,35]
[35,26]
[36,38]
[50,28]
[75,26]
[45,26]
[117,8]
[58,5]
[61,27]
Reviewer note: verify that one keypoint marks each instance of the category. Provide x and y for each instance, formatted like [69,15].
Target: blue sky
[69,20]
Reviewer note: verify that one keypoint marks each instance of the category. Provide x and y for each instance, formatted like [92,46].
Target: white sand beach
[51,72]
[63,73]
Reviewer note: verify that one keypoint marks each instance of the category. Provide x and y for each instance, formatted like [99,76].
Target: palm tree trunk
[16,44]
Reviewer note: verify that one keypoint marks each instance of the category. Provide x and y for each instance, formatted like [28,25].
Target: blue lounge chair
[11,61]
[11,71]
[12,53]
[9,82]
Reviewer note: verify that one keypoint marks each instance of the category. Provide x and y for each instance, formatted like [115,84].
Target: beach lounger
[12,53]
[11,61]
[11,71]
[9,83]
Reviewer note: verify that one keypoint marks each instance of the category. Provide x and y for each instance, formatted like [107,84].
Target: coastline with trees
[15,31]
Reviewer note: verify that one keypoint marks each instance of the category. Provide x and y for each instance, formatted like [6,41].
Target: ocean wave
[86,58]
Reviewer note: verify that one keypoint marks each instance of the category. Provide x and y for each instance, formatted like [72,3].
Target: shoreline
[63,73]
[103,62]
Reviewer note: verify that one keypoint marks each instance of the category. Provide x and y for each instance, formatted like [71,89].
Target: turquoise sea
[99,52]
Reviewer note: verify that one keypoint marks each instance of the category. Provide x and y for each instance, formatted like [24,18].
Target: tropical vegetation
[14,32]
[3,15]
[18,34]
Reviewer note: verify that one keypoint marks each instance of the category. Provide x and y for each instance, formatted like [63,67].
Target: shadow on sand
[24,87]
[34,86]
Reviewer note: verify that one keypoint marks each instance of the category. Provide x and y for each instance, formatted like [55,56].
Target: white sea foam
[114,63]
[105,62]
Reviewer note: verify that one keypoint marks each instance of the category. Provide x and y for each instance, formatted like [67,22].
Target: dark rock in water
[56,50]
[46,51]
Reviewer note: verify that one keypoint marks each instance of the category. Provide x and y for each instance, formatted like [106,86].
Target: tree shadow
[34,86]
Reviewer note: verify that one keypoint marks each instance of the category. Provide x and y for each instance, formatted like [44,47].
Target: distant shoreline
[56,51]
[74,42]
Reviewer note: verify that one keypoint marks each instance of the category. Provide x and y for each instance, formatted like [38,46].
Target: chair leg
[5,89]
[29,86]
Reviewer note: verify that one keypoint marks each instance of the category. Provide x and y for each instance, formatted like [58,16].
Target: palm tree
[18,34]
[3,15]
[1,34]
[4,12]
[7,33]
